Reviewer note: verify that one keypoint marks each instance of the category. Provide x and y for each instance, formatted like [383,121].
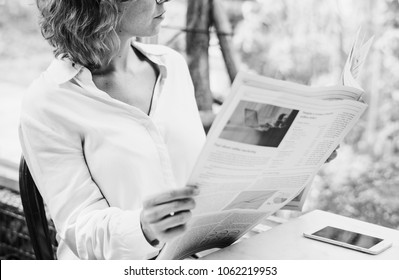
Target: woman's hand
[165,216]
[333,155]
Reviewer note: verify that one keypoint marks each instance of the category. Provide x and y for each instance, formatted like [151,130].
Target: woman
[111,131]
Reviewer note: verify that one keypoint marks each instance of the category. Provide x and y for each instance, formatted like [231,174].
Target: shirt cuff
[134,244]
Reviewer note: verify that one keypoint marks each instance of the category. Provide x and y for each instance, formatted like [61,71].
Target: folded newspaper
[264,148]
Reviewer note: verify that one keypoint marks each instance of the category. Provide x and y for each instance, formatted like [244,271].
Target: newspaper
[263,150]
[265,146]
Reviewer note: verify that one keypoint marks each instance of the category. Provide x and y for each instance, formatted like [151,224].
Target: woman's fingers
[171,222]
[172,233]
[183,193]
[333,155]
[158,212]
[165,216]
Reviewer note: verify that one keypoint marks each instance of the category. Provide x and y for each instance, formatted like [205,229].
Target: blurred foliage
[23,52]
[306,41]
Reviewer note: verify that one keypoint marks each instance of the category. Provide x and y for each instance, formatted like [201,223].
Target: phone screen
[349,237]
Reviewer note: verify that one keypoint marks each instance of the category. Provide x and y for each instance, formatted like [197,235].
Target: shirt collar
[155,53]
[61,70]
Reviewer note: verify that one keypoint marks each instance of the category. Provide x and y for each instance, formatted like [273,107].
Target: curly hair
[81,30]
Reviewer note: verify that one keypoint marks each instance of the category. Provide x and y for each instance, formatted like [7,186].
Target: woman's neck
[122,60]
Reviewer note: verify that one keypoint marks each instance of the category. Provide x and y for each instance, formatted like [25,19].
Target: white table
[286,241]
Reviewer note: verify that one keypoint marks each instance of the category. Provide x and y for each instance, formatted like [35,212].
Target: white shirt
[95,159]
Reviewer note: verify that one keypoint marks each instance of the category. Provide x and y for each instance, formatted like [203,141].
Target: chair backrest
[35,214]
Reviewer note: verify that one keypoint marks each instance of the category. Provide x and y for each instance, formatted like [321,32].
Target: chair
[35,214]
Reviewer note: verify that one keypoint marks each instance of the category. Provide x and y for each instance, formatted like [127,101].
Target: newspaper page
[266,144]
[350,77]
[356,58]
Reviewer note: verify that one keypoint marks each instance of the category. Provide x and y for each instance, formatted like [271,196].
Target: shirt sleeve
[82,217]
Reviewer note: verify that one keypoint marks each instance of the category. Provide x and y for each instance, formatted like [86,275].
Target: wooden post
[224,33]
[197,44]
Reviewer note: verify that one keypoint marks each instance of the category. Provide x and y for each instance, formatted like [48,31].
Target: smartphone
[349,239]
